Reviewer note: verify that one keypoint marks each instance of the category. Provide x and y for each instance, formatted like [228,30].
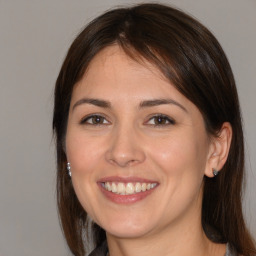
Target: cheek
[181,162]
[177,154]
[83,153]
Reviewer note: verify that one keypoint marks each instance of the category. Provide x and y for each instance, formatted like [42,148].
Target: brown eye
[94,120]
[97,120]
[161,120]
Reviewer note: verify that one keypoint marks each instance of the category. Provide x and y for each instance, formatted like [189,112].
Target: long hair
[191,58]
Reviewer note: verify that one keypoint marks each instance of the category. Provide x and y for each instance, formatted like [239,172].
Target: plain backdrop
[34,38]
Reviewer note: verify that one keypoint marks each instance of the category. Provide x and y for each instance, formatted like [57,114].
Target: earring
[69,169]
[215,172]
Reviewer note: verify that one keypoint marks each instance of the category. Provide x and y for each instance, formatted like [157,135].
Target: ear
[219,149]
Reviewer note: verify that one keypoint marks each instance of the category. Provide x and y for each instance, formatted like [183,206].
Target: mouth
[126,190]
[129,188]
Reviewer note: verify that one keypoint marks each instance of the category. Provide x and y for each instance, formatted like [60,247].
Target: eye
[94,120]
[159,120]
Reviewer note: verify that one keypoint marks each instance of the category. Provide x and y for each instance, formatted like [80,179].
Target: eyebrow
[143,104]
[95,102]
[157,102]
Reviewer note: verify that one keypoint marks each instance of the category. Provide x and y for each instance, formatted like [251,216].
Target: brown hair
[192,59]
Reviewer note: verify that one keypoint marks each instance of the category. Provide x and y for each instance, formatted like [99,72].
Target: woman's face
[138,149]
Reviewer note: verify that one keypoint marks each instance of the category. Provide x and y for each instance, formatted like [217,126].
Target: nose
[125,148]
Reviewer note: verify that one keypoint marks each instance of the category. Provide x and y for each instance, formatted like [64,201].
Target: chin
[126,228]
[126,232]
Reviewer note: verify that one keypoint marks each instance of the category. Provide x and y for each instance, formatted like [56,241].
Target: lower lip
[125,199]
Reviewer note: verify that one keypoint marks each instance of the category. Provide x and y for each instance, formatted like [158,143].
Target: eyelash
[164,118]
[101,118]
[85,120]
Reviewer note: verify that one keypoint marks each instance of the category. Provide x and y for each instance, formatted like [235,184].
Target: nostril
[124,161]
[124,151]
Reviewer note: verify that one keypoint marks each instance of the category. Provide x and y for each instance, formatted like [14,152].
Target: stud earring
[215,172]
[69,169]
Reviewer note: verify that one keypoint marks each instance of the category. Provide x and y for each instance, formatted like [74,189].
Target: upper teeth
[127,188]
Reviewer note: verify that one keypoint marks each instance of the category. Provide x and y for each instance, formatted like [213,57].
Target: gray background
[34,37]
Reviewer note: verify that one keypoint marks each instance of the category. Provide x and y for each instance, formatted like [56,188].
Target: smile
[126,190]
[129,188]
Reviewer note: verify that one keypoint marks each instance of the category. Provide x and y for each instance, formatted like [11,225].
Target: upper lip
[125,179]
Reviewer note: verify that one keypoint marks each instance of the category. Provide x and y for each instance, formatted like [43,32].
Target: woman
[149,139]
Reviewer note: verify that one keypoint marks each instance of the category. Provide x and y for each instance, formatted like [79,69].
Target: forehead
[113,70]
[114,58]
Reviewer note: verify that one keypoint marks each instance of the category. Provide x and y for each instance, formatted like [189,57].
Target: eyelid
[170,120]
[84,120]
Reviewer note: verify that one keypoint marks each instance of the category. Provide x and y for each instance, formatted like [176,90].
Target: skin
[128,142]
